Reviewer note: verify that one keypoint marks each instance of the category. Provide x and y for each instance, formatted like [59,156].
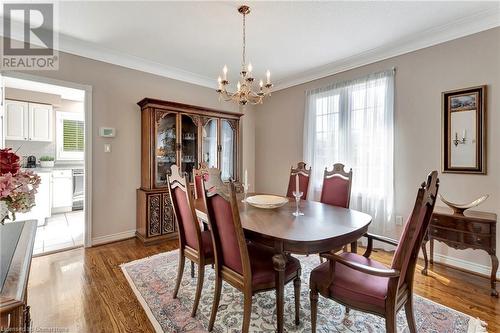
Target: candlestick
[246,177]
[297,183]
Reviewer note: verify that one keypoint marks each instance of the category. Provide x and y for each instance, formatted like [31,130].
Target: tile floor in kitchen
[61,231]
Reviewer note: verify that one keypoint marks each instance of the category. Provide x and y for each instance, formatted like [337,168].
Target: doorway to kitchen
[45,120]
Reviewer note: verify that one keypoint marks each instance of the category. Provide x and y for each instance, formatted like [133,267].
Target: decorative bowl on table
[267,201]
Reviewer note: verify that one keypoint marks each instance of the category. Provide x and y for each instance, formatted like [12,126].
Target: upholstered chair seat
[262,268]
[349,284]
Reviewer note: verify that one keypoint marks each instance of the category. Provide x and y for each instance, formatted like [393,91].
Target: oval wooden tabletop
[320,221]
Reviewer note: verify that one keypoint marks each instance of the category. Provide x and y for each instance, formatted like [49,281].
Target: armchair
[361,283]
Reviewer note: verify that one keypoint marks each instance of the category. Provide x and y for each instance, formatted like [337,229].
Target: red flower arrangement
[17,187]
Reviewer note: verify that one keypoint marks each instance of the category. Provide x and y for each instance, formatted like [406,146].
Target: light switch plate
[399,220]
[107,147]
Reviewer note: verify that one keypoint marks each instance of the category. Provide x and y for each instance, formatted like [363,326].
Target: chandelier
[245,92]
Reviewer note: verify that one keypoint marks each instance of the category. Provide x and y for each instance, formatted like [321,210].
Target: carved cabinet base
[155,218]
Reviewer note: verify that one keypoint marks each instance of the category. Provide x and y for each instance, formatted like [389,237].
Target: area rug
[153,279]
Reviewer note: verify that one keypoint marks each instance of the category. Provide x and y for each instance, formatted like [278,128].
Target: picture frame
[464,130]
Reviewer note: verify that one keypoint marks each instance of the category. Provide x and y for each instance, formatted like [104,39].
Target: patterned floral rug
[152,280]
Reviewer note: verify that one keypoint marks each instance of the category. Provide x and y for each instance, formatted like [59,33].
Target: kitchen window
[70,129]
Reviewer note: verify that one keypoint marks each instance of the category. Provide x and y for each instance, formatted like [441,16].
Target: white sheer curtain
[352,122]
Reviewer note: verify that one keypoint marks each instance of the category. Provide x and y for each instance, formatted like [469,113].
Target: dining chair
[194,244]
[245,266]
[304,176]
[364,284]
[198,175]
[336,189]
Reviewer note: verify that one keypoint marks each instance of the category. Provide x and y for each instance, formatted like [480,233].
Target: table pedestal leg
[279,262]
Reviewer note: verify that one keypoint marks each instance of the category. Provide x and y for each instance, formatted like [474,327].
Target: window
[352,123]
[70,129]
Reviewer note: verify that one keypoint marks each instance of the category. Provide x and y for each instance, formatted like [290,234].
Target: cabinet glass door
[189,140]
[165,150]
[209,143]
[228,153]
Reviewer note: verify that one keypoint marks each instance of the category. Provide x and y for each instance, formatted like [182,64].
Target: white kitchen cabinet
[43,201]
[16,120]
[62,191]
[40,122]
[28,121]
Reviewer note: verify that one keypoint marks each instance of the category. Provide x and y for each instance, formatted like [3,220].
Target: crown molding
[89,50]
[468,25]
[462,27]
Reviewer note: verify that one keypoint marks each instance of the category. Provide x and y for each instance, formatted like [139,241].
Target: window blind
[73,135]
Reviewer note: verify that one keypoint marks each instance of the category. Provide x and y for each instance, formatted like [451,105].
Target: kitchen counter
[57,167]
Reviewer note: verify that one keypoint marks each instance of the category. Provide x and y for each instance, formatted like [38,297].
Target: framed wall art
[464,130]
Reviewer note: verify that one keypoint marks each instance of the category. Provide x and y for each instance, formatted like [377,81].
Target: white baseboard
[466,265]
[113,237]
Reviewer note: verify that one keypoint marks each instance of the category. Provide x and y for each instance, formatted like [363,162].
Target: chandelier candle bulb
[268,75]
[224,71]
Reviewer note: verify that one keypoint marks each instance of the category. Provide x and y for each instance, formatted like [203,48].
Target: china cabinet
[186,135]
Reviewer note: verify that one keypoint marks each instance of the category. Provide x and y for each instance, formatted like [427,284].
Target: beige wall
[116,90]
[421,76]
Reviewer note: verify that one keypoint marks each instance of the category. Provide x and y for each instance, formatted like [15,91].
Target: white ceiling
[297,41]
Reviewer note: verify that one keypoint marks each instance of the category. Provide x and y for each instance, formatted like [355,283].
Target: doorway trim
[87,237]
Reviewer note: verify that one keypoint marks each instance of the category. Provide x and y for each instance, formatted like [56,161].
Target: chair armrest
[383,239]
[388,273]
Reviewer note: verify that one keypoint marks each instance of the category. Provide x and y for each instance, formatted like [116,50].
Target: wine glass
[298,196]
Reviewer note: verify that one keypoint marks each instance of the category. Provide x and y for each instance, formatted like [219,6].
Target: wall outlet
[399,220]
[107,148]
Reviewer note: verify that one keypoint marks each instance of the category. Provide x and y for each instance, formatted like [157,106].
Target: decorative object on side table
[17,187]
[47,162]
[470,230]
[464,130]
[460,208]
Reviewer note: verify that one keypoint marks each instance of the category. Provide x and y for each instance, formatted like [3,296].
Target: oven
[78,188]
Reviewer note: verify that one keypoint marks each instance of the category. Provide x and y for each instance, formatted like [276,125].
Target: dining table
[322,228]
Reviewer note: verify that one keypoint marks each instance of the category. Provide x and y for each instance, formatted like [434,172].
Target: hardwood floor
[84,290]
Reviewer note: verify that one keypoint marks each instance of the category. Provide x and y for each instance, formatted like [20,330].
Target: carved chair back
[304,176]
[199,175]
[337,184]
[405,257]
[225,225]
[184,212]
